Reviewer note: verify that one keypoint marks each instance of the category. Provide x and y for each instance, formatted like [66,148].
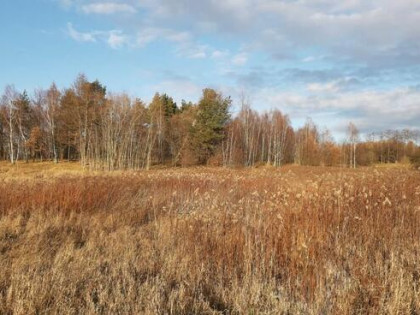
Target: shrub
[415,159]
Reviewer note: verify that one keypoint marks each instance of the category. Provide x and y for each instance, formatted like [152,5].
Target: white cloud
[323,87]
[80,36]
[336,53]
[219,54]
[313,58]
[192,50]
[340,28]
[309,59]
[371,110]
[107,8]
[150,34]
[240,59]
[284,28]
[198,54]
[114,38]
[179,89]
[185,45]
[66,3]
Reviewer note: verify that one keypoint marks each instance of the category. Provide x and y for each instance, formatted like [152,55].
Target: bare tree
[353,135]
[9,98]
[53,103]
[307,144]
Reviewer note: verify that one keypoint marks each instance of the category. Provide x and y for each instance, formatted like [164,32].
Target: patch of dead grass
[209,240]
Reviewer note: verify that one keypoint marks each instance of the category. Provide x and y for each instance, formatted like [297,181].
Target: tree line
[114,131]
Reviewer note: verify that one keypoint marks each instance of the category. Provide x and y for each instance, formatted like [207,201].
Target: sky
[333,61]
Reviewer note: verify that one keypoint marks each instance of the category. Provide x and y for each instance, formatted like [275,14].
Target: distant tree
[329,151]
[157,127]
[308,144]
[9,114]
[161,109]
[35,143]
[179,137]
[415,158]
[51,110]
[69,125]
[280,138]
[114,131]
[48,104]
[25,121]
[169,105]
[249,131]
[208,131]
[2,135]
[353,136]
[185,105]
[90,100]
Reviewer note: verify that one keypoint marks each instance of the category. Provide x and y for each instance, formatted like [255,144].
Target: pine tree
[208,131]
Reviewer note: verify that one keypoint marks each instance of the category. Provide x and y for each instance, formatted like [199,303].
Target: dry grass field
[293,240]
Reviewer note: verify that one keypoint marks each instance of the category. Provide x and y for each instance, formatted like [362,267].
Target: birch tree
[9,99]
[353,136]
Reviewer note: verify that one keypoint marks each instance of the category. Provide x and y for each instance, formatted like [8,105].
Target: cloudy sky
[333,61]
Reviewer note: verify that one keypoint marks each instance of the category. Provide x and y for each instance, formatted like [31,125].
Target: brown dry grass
[208,240]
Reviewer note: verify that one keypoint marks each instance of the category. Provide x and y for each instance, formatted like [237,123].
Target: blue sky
[334,61]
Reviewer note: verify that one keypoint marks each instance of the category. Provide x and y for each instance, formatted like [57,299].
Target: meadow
[202,240]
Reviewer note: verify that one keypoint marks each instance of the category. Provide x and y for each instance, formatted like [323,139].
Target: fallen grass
[210,240]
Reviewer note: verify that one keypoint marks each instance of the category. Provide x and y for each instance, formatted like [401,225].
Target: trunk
[54,146]
[354,155]
[12,160]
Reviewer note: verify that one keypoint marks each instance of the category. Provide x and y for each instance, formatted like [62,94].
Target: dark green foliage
[185,105]
[169,105]
[97,87]
[208,131]
[24,109]
[163,106]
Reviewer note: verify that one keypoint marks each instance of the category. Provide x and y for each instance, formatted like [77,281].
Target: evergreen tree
[208,130]
[25,121]
[185,106]
[170,107]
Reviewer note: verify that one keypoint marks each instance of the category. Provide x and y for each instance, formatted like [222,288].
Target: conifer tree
[208,131]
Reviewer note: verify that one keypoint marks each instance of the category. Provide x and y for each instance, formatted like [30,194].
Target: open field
[294,240]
